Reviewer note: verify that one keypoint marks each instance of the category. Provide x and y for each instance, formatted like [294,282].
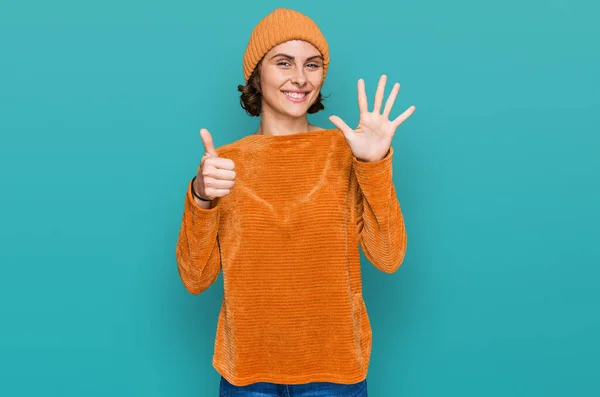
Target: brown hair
[251,98]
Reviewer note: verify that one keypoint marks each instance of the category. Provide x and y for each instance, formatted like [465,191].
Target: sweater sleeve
[380,223]
[197,251]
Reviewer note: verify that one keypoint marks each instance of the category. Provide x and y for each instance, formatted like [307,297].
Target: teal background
[496,171]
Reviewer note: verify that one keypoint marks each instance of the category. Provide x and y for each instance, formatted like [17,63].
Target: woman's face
[291,75]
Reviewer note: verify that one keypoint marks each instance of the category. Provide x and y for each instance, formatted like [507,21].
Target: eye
[283,62]
[314,65]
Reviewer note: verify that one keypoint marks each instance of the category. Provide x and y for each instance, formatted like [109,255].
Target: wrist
[196,194]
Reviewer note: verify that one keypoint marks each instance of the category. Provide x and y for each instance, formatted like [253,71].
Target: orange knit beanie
[281,25]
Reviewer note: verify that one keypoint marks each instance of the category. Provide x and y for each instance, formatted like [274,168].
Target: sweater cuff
[374,173]
[196,210]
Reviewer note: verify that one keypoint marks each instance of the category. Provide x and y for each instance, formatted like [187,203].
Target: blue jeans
[313,389]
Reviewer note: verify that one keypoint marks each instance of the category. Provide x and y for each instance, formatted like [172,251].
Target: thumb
[209,147]
[342,126]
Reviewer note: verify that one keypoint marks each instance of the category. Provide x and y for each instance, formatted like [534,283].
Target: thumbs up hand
[216,175]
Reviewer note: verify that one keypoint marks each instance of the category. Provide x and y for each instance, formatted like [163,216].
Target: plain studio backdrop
[496,172]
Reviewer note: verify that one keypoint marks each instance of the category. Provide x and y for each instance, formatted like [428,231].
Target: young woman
[282,213]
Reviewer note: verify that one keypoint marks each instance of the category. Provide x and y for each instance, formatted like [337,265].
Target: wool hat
[279,26]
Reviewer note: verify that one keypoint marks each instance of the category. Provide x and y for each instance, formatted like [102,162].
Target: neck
[276,124]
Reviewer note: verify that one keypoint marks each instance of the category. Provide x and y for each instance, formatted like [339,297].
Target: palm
[372,138]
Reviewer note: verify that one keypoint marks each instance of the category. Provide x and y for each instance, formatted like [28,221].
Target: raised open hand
[372,138]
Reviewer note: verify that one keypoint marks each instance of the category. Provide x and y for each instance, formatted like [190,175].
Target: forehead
[295,48]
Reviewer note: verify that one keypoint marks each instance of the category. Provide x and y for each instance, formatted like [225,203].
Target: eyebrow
[292,58]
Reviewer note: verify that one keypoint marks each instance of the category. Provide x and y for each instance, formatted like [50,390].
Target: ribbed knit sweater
[287,240]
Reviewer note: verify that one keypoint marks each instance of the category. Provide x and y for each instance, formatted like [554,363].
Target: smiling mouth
[295,95]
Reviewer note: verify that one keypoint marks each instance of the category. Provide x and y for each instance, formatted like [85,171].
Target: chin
[295,110]
[294,113]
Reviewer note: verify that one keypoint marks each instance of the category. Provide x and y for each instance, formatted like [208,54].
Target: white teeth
[296,95]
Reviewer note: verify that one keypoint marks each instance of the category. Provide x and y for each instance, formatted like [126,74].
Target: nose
[298,78]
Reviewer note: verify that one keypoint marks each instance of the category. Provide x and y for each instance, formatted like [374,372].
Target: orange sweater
[287,240]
